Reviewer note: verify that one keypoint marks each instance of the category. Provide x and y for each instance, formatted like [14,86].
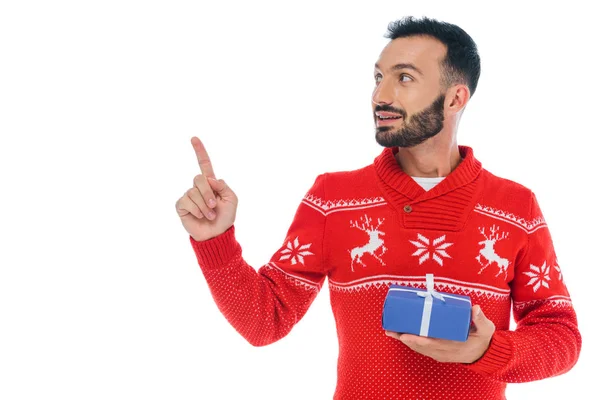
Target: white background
[100,292]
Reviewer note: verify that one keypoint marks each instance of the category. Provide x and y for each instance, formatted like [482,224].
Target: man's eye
[378,78]
[404,76]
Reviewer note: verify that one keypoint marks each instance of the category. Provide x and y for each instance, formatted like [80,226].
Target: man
[425,205]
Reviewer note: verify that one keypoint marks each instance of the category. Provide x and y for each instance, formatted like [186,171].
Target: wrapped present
[426,312]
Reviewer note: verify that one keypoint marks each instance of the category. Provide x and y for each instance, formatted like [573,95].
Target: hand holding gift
[444,350]
[439,323]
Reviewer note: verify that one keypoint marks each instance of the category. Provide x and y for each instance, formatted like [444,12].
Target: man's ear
[457,98]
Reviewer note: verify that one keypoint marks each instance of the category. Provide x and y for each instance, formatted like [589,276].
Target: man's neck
[429,159]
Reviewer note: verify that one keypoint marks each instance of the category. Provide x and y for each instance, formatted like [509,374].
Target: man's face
[408,91]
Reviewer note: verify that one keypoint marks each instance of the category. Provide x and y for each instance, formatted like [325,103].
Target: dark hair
[462,63]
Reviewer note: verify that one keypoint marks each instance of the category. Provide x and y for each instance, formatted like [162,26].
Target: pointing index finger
[203,159]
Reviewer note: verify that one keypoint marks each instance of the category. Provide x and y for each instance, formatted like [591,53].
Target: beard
[420,127]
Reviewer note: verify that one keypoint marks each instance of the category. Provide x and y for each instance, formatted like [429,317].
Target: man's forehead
[419,51]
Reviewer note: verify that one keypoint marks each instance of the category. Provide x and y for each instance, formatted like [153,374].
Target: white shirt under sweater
[428,183]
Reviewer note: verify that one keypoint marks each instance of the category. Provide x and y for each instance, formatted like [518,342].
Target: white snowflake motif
[426,249]
[540,276]
[557,268]
[295,252]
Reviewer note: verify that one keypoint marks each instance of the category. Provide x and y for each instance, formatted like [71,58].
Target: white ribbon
[429,295]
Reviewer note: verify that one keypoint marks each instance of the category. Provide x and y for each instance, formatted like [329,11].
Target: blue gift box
[426,312]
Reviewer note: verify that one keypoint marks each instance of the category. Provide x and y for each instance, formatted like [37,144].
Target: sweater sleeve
[264,305]
[546,341]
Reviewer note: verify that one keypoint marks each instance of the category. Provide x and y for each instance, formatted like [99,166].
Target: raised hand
[208,208]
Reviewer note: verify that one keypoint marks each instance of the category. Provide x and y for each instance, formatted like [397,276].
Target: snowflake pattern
[295,252]
[427,249]
[557,268]
[540,276]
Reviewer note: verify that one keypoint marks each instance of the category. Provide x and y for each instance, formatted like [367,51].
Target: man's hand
[207,209]
[452,351]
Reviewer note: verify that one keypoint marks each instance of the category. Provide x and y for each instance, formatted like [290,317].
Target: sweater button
[407,208]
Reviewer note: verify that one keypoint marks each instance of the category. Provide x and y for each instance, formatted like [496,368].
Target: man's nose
[383,93]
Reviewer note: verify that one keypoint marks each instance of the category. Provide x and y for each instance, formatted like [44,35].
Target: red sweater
[480,235]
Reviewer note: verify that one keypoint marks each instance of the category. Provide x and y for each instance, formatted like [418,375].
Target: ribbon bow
[430,291]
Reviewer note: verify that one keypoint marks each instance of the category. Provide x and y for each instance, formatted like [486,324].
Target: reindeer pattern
[489,253]
[375,241]
[375,247]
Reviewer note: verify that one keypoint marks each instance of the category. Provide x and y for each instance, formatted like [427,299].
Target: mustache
[391,109]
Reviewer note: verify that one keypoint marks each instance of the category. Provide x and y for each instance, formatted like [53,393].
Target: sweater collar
[390,172]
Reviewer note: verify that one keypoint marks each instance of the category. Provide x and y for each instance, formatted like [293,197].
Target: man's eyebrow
[403,66]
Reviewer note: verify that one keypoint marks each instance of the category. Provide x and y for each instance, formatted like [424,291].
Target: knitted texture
[480,235]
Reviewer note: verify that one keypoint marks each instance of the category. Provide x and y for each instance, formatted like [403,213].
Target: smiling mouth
[387,120]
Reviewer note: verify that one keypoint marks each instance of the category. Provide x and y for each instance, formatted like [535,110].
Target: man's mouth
[386,118]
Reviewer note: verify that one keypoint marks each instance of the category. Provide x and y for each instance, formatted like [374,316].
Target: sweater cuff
[218,251]
[496,358]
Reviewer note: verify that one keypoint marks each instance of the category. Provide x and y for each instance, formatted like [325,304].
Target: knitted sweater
[480,235]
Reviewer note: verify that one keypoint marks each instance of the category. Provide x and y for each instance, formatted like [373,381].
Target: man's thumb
[481,323]
[477,314]
[218,186]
